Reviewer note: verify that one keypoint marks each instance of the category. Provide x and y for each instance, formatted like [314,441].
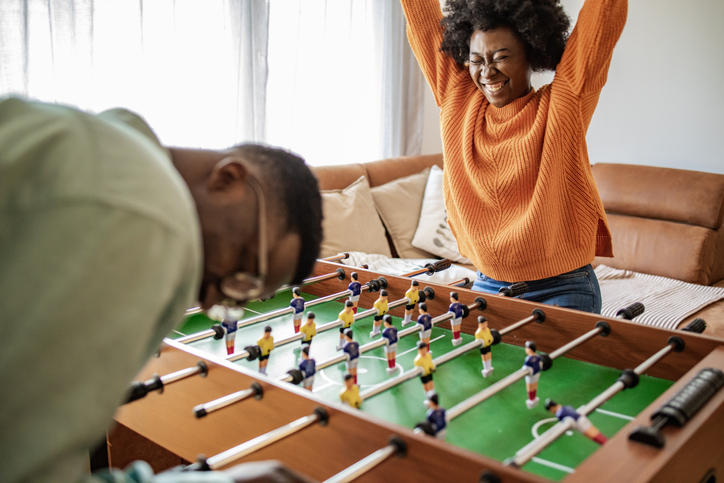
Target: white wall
[663,104]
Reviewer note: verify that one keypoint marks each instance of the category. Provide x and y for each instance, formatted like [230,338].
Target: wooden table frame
[162,429]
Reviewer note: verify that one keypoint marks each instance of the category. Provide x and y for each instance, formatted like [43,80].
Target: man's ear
[227,175]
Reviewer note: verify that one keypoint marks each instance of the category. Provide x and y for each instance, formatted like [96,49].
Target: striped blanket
[667,301]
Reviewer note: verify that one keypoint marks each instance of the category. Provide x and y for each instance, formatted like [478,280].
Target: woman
[518,187]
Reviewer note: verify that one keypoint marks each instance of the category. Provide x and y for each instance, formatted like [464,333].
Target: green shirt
[100,254]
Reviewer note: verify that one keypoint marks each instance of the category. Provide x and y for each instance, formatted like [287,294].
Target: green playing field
[496,428]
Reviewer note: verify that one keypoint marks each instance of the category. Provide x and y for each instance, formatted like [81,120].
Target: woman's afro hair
[541,25]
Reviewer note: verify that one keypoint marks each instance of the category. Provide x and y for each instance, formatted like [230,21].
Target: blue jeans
[577,289]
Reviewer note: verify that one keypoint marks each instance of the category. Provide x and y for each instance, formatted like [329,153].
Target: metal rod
[222,402]
[336,258]
[405,376]
[229,456]
[518,325]
[489,391]
[182,374]
[287,340]
[310,281]
[527,452]
[514,377]
[364,465]
[576,342]
[460,283]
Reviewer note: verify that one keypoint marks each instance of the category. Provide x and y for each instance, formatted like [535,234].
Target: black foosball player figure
[229,324]
[381,306]
[266,344]
[424,361]
[436,416]
[347,318]
[356,288]
[350,393]
[483,334]
[456,308]
[534,362]
[297,303]
[581,424]
[308,367]
[413,295]
[390,336]
[351,350]
[425,322]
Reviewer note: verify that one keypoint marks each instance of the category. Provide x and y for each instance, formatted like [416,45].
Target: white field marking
[615,415]
[415,348]
[331,381]
[550,464]
[536,426]
[323,386]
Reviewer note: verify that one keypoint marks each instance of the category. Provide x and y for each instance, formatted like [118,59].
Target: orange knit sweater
[518,187]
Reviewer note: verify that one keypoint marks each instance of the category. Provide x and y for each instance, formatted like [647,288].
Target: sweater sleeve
[585,62]
[425,35]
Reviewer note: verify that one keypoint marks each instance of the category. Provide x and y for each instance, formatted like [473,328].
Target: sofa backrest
[664,221]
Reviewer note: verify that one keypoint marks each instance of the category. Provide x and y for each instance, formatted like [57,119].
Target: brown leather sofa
[666,222]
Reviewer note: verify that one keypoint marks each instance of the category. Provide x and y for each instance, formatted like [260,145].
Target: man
[111,237]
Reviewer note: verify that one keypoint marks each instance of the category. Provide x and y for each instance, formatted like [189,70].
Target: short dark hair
[454,295]
[421,344]
[387,318]
[542,26]
[354,275]
[422,306]
[296,291]
[531,345]
[384,293]
[305,349]
[349,333]
[550,403]
[347,377]
[310,315]
[288,177]
[415,283]
[267,328]
[481,319]
[349,303]
[435,399]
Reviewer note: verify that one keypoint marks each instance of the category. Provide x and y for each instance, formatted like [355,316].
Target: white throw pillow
[433,233]
[399,203]
[351,222]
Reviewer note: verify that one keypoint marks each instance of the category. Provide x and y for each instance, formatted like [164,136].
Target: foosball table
[203,401]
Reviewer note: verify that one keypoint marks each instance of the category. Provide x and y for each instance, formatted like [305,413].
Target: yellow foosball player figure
[347,318]
[483,333]
[381,306]
[266,344]
[424,360]
[309,329]
[413,295]
[350,393]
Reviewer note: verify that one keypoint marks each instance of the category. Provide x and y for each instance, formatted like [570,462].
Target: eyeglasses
[242,286]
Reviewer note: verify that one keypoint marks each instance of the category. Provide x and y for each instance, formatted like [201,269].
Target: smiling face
[498,65]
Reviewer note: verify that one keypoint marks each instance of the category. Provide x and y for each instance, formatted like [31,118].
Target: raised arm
[585,62]
[425,35]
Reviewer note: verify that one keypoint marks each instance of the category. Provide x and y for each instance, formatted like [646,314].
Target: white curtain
[195,70]
[333,80]
[344,85]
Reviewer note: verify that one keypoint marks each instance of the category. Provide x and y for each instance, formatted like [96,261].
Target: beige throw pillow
[351,222]
[399,203]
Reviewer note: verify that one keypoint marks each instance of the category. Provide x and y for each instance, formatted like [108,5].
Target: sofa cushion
[679,195]
[351,222]
[399,203]
[433,232]
[674,250]
[337,177]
